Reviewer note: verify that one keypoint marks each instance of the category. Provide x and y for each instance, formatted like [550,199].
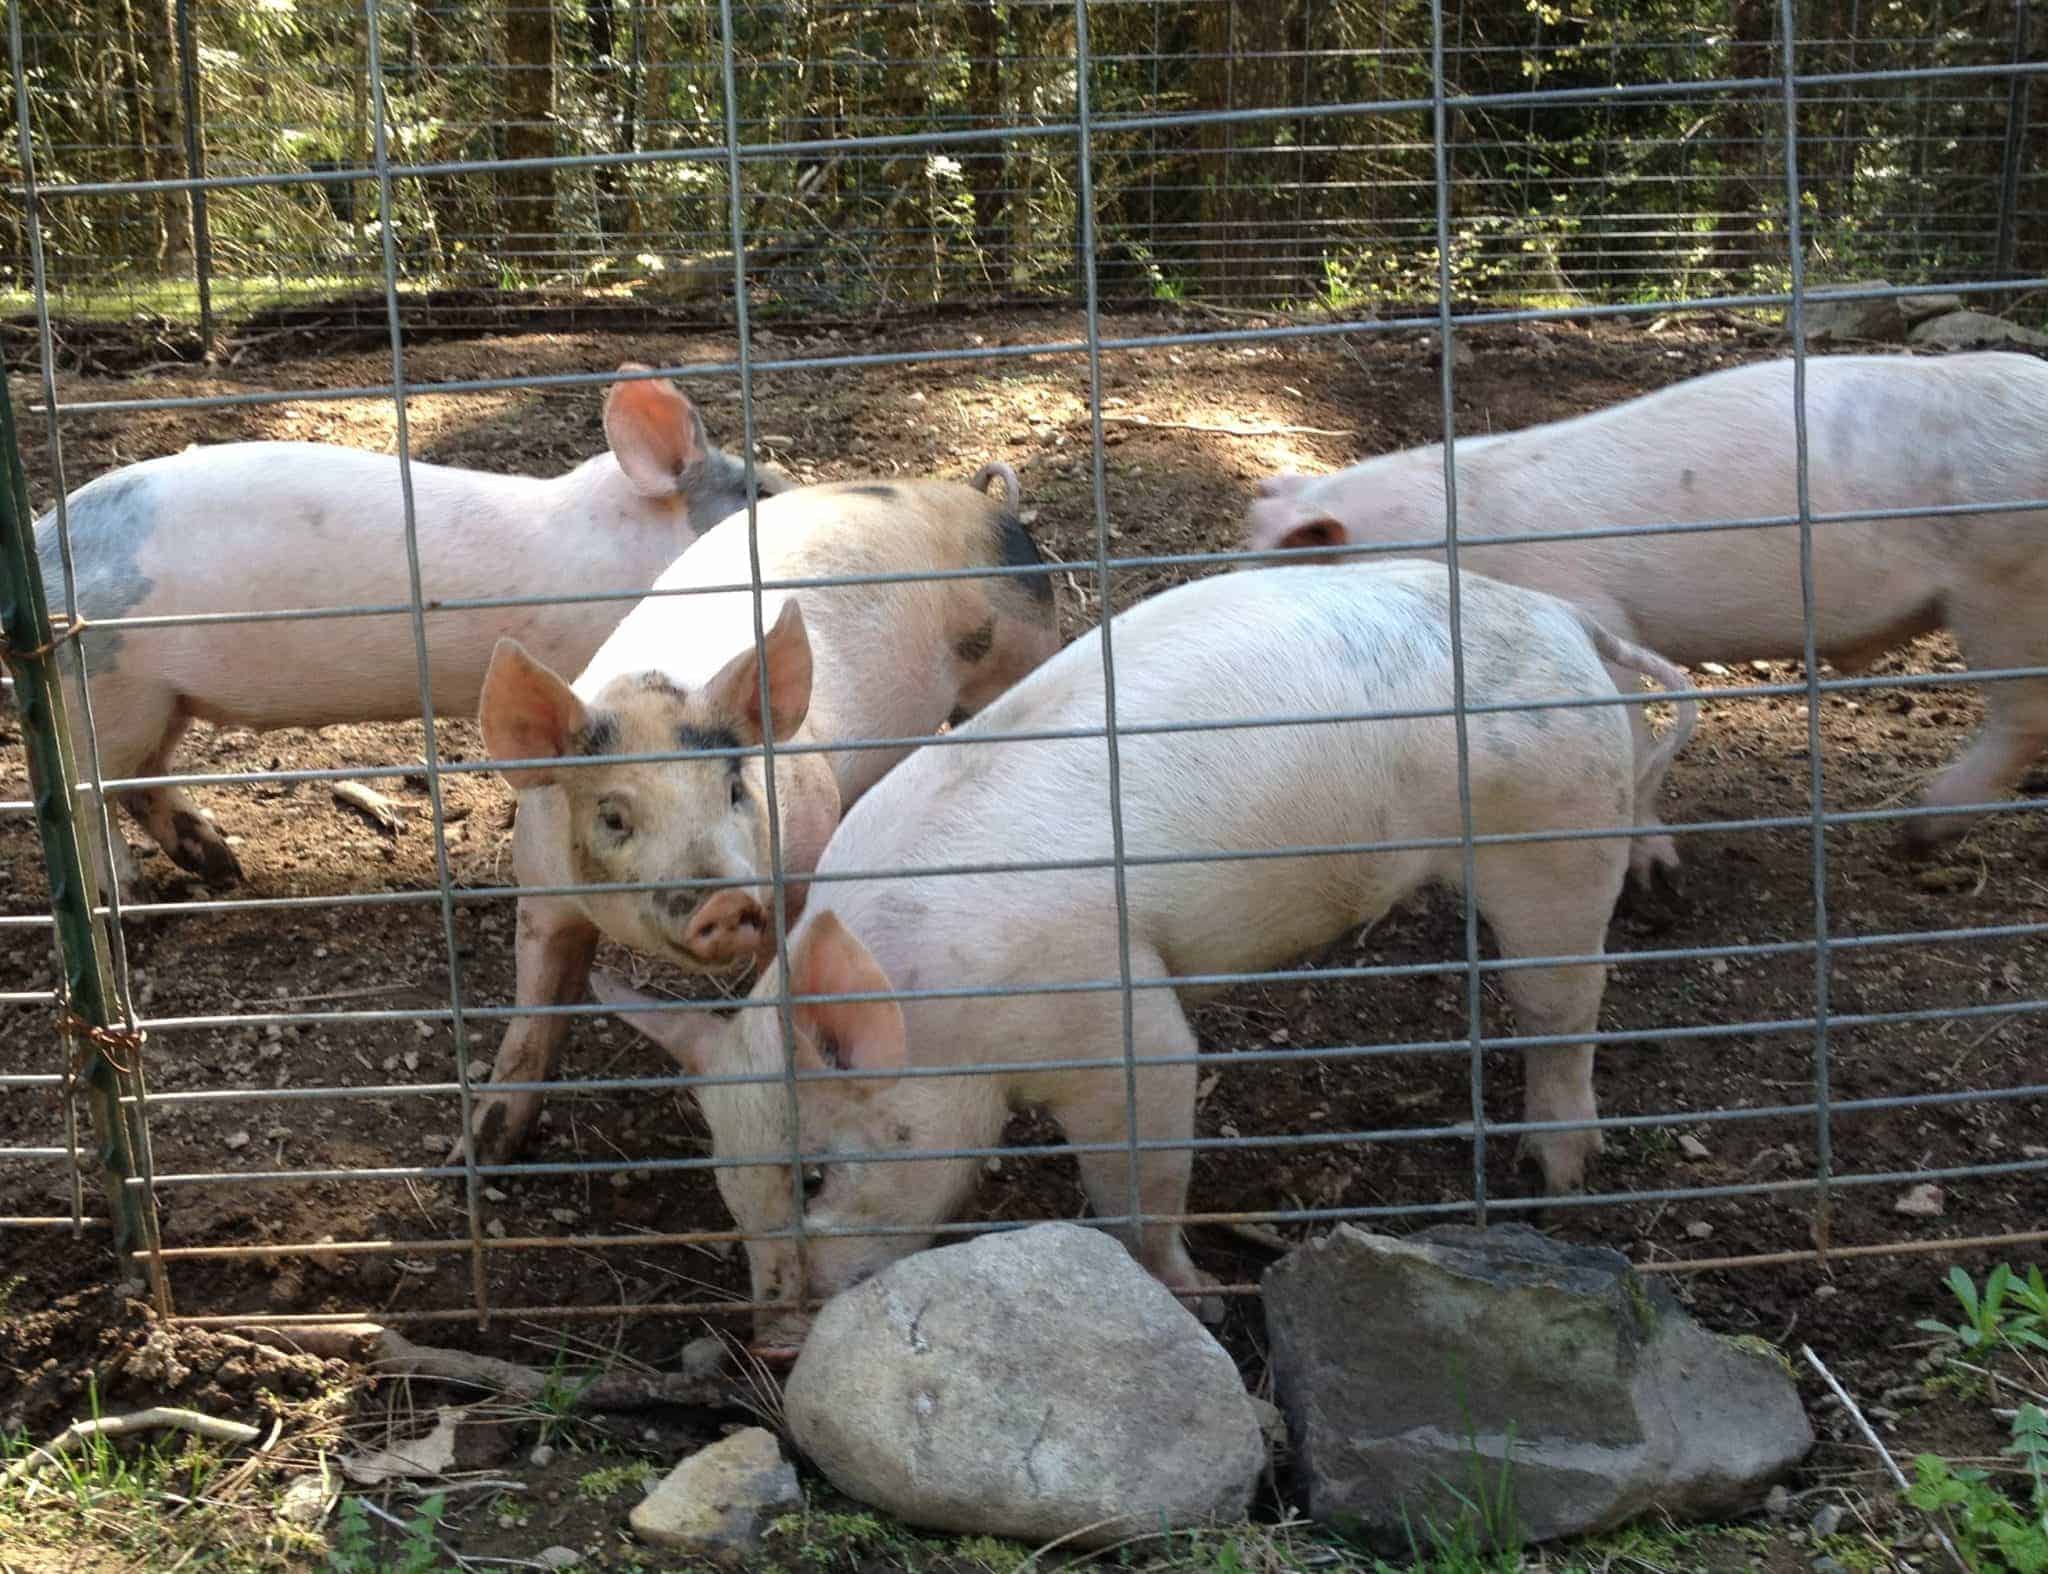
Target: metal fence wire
[1312,182]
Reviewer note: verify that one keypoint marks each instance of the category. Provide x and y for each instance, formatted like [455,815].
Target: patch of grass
[610,1481]
[8,1288]
[355,1549]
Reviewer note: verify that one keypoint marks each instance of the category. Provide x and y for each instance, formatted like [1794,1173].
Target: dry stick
[1870,1436]
[393,1355]
[160,1418]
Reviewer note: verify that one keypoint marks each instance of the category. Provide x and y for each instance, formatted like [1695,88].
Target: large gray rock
[1828,320]
[1916,309]
[1036,1384]
[717,1503]
[1408,1369]
[1967,330]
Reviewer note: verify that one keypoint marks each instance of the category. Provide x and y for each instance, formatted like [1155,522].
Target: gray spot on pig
[109,519]
[715,488]
[888,494]
[1020,551]
[1685,480]
[976,643]
[599,736]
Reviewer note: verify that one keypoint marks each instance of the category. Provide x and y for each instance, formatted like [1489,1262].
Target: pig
[1291,641]
[246,527]
[843,663]
[1884,431]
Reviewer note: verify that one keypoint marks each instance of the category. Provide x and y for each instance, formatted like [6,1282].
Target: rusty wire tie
[111,1042]
[62,629]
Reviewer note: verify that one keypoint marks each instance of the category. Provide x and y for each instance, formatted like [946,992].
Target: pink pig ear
[654,431]
[1325,533]
[735,690]
[862,1035]
[528,713]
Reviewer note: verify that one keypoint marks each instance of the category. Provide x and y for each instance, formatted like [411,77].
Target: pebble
[1924,1201]
[1827,1520]
[1778,1502]
[558,1558]
[238,1139]
[1699,1229]
[493,1194]
[1692,1147]
[542,1456]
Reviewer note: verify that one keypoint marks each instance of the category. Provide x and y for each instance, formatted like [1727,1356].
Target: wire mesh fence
[1585,210]
[1241,154]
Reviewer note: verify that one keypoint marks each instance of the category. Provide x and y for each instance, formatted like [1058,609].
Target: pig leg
[2015,730]
[1166,1113]
[179,826]
[1652,859]
[554,949]
[1520,897]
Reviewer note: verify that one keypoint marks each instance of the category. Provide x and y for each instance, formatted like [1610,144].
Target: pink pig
[1883,432]
[1316,641]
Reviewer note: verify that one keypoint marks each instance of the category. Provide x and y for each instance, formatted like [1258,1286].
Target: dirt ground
[1177,480]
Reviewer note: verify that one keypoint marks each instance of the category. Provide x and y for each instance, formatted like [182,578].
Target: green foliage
[1987,1326]
[354,1550]
[1993,1532]
[610,1481]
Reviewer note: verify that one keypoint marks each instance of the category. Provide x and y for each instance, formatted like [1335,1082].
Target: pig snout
[726,928]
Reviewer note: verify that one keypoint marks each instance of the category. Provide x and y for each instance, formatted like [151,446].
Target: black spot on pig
[660,683]
[691,736]
[976,643]
[1020,551]
[885,492]
[1685,480]
[600,735]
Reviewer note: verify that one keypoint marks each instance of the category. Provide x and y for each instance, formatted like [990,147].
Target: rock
[1924,1201]
[1826,1521]
[1409,1369]
[307,1500]
[558,1558]
[1916,309]
[1036,1383]
[1968,330]
[1828,320]
[718,1503]
[1692,1147]
[1778,1502]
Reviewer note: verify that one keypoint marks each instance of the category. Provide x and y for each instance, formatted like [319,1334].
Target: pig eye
[739,792]
[814,1181]
[612,820]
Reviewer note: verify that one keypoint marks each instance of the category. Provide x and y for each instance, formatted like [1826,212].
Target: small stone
[564,1215]
[424,1029]
[1924,1201]
[1826,1520]
[1699,1229]
[1759,666]
[1719,967]
[1713,669]
[1825,1292]
[542,1456]
[2033,1150]
[495,1229]
[492,1194]
[1692,1147]
[1778,1502]
[558,1558]
[717,1503]
[238,1139]
[306,1500]
[279,1133]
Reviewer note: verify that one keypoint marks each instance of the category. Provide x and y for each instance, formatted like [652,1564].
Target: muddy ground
[1178,476]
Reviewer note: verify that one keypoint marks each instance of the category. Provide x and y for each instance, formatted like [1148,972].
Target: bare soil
[1177,480]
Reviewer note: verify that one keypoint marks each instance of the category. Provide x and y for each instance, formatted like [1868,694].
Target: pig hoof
[197,847]
[1924,838]
[496,1139]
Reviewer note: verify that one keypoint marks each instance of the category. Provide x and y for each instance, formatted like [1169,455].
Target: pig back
[1284,643]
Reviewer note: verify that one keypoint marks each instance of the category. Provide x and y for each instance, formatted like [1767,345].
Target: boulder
[1036,1383]
[1828,320]
[1410,1369]
[1967,330]
[1916,309]
[719,1502]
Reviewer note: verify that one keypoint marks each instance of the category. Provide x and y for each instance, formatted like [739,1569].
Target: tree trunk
[1753,123]
[987,162]
[143,210]
[164,142]
[528,195]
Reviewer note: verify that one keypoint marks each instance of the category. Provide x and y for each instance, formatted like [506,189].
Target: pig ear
[527,714]
[655,433]
[1325,533]
[736,690]
[1286,484]
[685,1035]
[771,480]
[863,1035]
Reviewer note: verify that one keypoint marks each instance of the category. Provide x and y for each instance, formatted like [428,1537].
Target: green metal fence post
[100,1051]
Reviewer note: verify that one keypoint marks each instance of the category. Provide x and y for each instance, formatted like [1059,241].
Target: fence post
[100,1055]
[2015,144]
[195,168]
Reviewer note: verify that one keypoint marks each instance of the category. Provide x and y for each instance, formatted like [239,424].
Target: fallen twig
[379,810]
[1870,1436]
[1228,431]
[157,1419]
[393,1355]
